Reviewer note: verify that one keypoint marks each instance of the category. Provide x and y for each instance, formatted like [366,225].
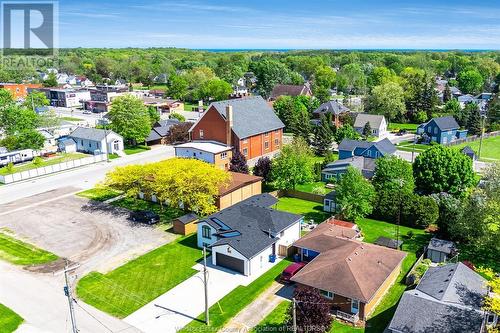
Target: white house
[377,123]
[207,151]
[247,236]
[97,141]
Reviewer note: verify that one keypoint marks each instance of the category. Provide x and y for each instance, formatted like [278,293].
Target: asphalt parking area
[95,235]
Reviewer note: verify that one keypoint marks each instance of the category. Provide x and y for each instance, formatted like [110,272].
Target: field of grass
[99,194]
[129,150]
[63,157]
[18,252]
[71,119]
[310,210]
[489,151]
[409,146]
[133,285]
[189,106]
[9,320]
[398,126]
[310,187]
[221,312]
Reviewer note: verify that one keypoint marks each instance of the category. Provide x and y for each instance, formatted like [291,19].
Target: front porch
[344,316]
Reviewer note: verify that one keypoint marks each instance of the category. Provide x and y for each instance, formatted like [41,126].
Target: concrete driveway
[184,303]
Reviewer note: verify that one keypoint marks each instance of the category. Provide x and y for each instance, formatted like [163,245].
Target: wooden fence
[473,138]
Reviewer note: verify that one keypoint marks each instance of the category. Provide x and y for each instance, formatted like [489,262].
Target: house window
[327,294]
[205,232]
[223,155]
[374,131]
[429,129]
[266,145]
[201,134]
[245,151]
[354,306]
[276,142]
[435,130]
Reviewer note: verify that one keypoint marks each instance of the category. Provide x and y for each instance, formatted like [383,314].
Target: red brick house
[247,124]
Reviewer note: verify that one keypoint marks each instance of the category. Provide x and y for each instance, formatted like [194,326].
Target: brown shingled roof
[319,239]
[238,180]
[289,90]
[350,268]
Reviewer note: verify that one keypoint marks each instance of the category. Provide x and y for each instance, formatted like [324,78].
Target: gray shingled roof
[333,107]
[446,123]
[251,116]
[92,134]
[253,224]
[262,200]
[362,118]
[441,245]
[448,299]
[385,146]
[189,217]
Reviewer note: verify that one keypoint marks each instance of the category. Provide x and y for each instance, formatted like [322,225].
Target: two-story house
[247,124]
[378,124]
[442,130]
[248,236]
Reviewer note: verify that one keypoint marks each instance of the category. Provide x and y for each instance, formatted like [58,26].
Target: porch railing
[352,318]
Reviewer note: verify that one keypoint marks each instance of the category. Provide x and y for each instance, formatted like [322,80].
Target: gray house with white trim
[97,141]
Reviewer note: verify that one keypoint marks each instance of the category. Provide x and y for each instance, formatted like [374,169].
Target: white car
[87,112]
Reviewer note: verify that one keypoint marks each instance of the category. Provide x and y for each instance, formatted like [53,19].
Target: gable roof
[385,146]
[320,238]
[92,134]
[333,107]
[251,116]
[246,227]
[262,200]
[375,120]
[441,245]
[448,299]
[188,218]
[350,268]
[289,90]
[445,123]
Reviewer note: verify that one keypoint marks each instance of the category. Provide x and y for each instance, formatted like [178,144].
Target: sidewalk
[252,315]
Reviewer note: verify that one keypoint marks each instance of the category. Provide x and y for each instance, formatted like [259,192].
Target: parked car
[145,216]
[87,112]
[401,132]
[291,270]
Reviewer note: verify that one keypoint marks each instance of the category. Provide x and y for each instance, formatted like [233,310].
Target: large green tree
[388,100]
[293,166]
[470,81]
[443,169]
[214,90]
[130,118]
[269,73]
[355,195]
[323,136]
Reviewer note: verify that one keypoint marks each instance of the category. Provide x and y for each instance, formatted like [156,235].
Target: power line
[100,322]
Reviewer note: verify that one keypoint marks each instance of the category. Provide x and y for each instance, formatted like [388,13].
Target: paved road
[80,178]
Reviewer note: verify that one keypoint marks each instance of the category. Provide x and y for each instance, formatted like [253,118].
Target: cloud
[195,6]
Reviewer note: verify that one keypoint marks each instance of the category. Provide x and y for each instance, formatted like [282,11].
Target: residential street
[80,178]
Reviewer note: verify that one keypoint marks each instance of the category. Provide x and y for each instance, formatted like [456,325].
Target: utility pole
[294,315]
[413,149]
[481,138]
[205,282]
[67,292]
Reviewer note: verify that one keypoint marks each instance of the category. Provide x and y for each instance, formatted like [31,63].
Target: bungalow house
[351,275]
[248,124]
[358,154]
[290,90]
[377,123]
[97,141]
[440,250]
[448,299]
[209,151]
[160,131]
[248,236]
[331,107]
[442,130]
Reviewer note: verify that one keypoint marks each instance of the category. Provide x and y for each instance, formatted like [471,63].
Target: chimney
[229,124]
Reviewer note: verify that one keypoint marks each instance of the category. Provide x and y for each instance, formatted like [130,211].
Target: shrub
[37,161]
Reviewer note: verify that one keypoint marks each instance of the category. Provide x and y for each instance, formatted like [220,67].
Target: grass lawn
[9,320]
[274,321]
[133,285]
[189,106]
[99,194]
[309,187]
[18,252]
[489,151]
[408,146]
[310,210]
[229,306]
[63,157]
[398,126]
[129,150]
[71,119]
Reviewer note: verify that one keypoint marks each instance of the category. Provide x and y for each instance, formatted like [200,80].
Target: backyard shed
[185,224]
[440,250]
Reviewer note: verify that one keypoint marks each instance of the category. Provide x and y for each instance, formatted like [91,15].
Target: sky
[281,24]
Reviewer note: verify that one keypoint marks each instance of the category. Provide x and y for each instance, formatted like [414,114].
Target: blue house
[442,130]
[350,148]
[357,154]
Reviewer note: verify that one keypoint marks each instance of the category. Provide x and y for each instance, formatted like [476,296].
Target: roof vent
[349,259]
[379,262]
[441,291]
[356,253]
[447,280]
